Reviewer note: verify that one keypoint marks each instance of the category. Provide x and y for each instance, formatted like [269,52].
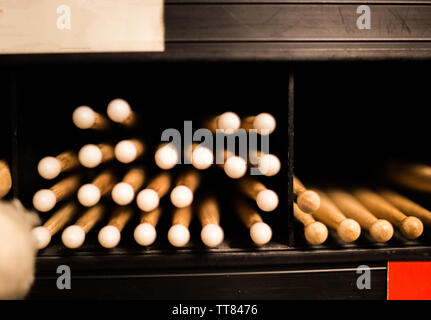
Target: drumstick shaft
[182,216]
[328,212]
[151,217]
[298,187]
[100,122]
[251,187]
[209,212]
[120,217]
[189,179]
[305,218]
[161,184]
[135,177]
[90,218]
[59,219]
[65,187]
[107,151]
[247,214]
[68,160]
[105,181]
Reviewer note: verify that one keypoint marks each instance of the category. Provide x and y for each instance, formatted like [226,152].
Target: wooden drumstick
[74,236]
[315,232]
[123,193]
[50,167]
[260,232]
[55,223]
[178,234]
[227,122]
[149,198]
[89,194]
[414,176]
[45,199]
[234,166]
[411,227]
[182,194]
[268,164]
[201,157]
[110,235]
[5,179]
[308,200]
[145,233]
[328,213]
[407,206]
[119,111]
[266,199]
[380,230]
[166,156]
[85,117]
[127,151]
[212,234]
[91,155]
[264,123]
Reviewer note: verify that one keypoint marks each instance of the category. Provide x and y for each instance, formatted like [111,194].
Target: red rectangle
[409,280]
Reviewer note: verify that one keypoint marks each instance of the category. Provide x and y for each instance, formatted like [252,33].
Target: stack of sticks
[79,206]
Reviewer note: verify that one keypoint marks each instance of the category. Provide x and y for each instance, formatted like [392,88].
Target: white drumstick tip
[212,235]
[49,168]
[166,157]
[178,235]
[349,230]
[42,237]
[145,234]
[84,117]
[228,122]
[264,123]
[44,200]
[202,158]
[260,233]
[181,196]
[235,167]
[125,151]
[109,237]
[88,195]
[269,165]
[123,193]
[267,200]
[73,237]
[147,200]
[90,156]
[316,233]
[381,230]
[119,110]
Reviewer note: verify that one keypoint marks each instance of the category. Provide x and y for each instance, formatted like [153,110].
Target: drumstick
[260,232]
[166,156]
[407,206]
[119,111]
[234,166]
[328,213]
[178,234]
[85,117]
[212,234]
[227,122]
[45,199]
[109,236]
[380,230]
[149,198]
[268,164]
[266,199]
[74,236]
[127,151]
[145,233]
[414,176]
[182,194]
[91,155]
[89,194]
[201,157]
[5,179]
[264,123]
[55,223]
[411,227]
[315,232]
[308,200]
[123,193]
[50,167]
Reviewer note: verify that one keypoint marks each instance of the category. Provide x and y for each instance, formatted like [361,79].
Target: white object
[166,157]
[109,237]
[260,233]
[123,193]
[42,237]
[229,122]
[44,200]
[264,123]
[147,200]
[73,237]
[90,156]
[145,234]
[119,110]
[212,235]
[181,196]
[88,195]
[267,200]
[125,151]
[235,167]
[49,168]
[178,235]
[202,158]
[269,165]
[84,117]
